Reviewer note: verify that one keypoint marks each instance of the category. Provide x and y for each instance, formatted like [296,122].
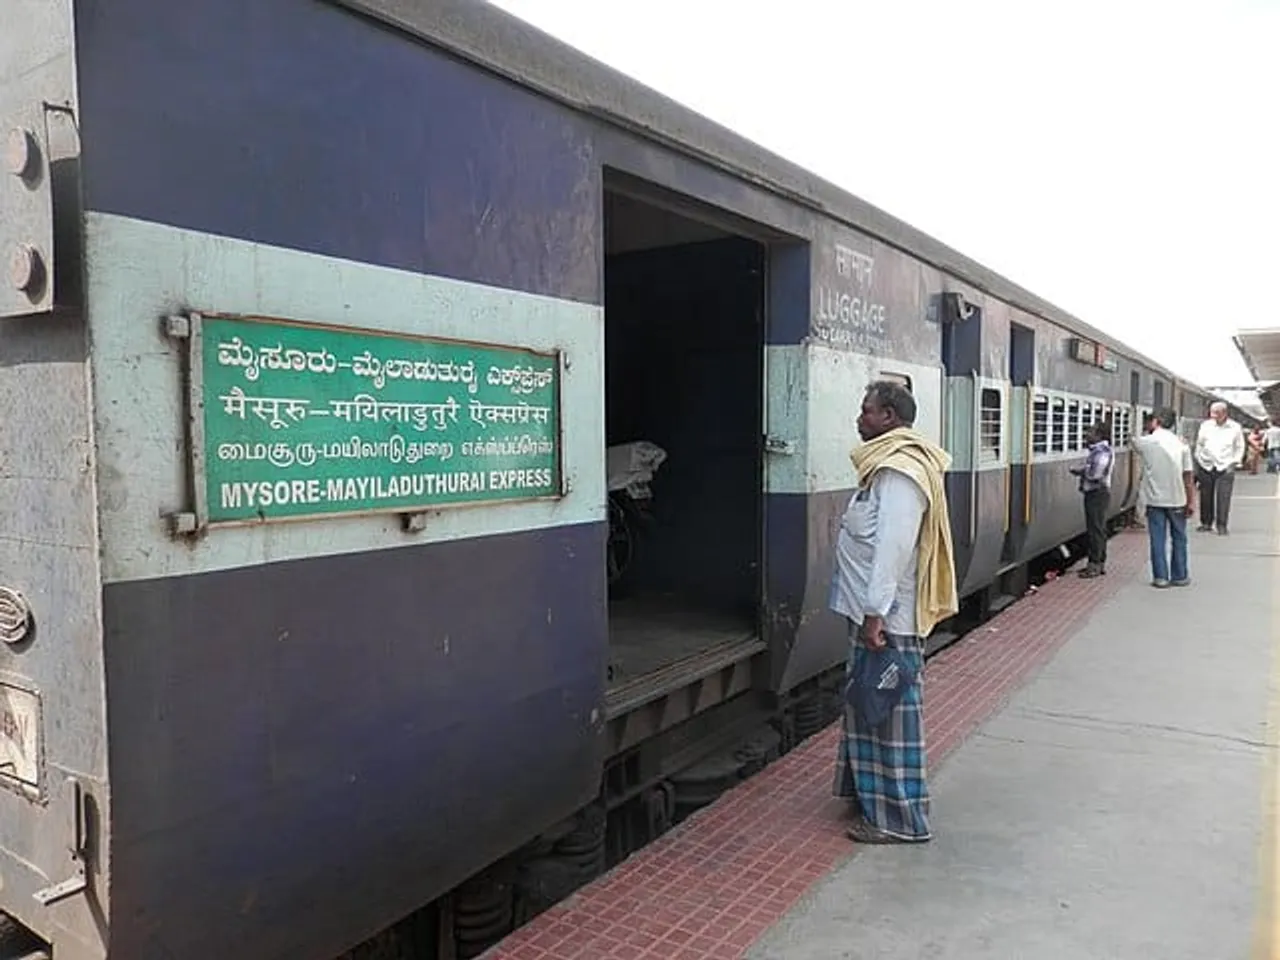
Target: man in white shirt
[1271,439]
[1169,491]
[1219,450]
[894,579]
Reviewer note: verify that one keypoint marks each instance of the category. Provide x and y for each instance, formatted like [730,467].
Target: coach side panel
[317,727]
[52,743]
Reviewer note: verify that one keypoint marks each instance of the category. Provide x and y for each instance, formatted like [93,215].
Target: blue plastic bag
[877,683]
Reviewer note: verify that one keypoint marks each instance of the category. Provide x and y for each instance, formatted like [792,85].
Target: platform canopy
[1261,352]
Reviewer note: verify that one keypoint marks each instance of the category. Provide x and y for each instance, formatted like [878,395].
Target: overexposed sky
[1120,158]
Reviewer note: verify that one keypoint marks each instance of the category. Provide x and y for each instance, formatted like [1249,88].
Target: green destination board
[302,420]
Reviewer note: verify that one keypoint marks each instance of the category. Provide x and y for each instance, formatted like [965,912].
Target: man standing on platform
[1219,450]
[894,581]
[1271,438]
[1168,486]
[1095,484]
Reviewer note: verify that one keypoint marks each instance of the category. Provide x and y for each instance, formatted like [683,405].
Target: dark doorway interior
[684,314]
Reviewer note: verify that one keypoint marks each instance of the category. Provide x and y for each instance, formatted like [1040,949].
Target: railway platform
[1103,767]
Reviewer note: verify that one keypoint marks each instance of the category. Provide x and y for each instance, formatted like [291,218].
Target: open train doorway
[684,312]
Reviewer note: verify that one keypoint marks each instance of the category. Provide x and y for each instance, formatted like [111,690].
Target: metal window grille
[989,426]
[1040,425]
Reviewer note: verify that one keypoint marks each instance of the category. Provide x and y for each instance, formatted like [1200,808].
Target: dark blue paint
[296,124]
[288,775]
[802,534]
[961,340]
[787,569]
[682,343]
[1015,540]
[790,267]
[1022,355]
[959,487]
[986,542]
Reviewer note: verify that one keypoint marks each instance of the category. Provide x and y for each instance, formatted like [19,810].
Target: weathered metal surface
[418,725]
[21,739]
[508,47]
[53,717]
[15,616]
[871,298]
[430,186]
[26,203]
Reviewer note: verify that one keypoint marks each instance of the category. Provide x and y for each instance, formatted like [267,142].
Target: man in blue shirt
[1095,484]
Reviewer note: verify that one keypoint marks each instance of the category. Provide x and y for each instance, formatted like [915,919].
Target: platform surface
[1106,793]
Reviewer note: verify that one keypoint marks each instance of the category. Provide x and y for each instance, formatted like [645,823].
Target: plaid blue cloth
[882,769]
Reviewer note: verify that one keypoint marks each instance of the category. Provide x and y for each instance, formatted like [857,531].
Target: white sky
[1120,158]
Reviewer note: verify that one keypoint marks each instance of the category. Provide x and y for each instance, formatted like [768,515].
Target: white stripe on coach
[138,271]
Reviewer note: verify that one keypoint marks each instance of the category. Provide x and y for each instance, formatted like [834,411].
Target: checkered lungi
[882,769]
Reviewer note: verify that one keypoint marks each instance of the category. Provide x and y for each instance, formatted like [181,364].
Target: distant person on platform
[1220,446]
[894,581]
[1253,450]
[1095,485]
[1271,439]
[1168,488]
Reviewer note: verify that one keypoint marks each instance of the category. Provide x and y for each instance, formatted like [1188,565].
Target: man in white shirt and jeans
[1219,450]
[1272,441]
[1169,491]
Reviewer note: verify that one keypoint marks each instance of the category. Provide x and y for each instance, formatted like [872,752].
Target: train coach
[421,449]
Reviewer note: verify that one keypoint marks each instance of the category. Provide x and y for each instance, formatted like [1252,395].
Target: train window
[1123,426]
[1058,431]
[1040,425]
[989,426]
[1073,425]
[901,379]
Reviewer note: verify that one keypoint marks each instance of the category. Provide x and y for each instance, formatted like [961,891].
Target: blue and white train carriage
[289,656]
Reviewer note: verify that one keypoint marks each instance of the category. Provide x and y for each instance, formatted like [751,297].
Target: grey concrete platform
[1115,807]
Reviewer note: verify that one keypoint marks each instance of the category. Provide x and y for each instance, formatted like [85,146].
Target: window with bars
[1058,435]
[1073,425]
[1121,427]
[989,426]
[1040,425]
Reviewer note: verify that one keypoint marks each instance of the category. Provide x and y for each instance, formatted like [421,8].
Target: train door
[1125,428]
[683,342]
[1022,368]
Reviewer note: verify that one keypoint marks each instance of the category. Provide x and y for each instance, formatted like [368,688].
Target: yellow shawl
[914,455]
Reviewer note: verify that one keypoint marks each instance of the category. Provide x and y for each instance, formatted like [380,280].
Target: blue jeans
[1164,524]
[1273,460]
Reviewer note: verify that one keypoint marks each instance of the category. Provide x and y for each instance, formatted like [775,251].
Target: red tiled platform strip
[711,887]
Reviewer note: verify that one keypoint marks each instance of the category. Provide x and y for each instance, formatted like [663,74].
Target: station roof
[1261,352]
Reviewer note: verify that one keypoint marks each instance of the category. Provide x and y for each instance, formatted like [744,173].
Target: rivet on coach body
[21,153]
[26,267]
